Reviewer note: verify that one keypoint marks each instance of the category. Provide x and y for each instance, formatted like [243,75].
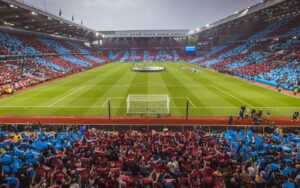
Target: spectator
[230,120]
[295,116]
[268,113]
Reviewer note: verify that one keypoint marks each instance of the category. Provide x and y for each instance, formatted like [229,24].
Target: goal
[148,104]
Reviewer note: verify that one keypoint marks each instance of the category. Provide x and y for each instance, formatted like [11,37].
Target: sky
[106,15]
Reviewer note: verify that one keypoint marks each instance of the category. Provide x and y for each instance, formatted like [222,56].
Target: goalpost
[148,104]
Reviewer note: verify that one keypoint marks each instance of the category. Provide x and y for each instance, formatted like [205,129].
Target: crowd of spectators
[86,157]
[26,60]
[20,74]
[147,55]
[140,43]
[272,54]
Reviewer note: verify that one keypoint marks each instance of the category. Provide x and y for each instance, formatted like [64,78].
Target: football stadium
[212,106]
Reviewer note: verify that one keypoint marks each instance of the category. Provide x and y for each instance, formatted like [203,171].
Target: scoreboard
[190,49]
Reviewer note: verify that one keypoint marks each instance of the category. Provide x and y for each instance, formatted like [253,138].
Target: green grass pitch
[87,93]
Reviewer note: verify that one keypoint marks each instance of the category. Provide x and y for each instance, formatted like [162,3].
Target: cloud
[145,14]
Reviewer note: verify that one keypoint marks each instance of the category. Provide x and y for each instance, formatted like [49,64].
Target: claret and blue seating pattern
[146,55]
[28,60]
[272,54]
[87,157]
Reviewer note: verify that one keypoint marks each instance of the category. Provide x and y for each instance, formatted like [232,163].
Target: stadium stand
[20,74]
[63,63]
[35,43]
[15,46]
[59,156]
[31,61]
[147,55]
[125,43]
[87,157]
[271,54]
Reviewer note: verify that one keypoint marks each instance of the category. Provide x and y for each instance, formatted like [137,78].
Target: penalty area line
[63,98]
[236,98]
[188,99]
[105,102]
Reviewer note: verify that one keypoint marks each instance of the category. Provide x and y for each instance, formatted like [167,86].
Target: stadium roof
[266,10]
[15,15]
[19,16]
[145,33]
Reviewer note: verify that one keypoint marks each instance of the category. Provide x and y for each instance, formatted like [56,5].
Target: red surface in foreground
[98,120]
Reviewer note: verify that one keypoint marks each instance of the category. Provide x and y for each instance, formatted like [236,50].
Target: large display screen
[190,49]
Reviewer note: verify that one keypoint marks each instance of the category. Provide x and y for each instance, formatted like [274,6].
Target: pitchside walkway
[136,120]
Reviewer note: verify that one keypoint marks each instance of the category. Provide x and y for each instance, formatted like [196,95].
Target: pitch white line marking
[266,87]
[63,98]
[190,102]
[240,100]
[148,84]
[169,97]
[196,107]
[105,102]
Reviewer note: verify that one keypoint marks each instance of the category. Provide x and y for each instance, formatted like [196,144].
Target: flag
[284,148]
[275,166]
[18,152]
[250,134]
[253,154]
[235,146]
[60,13]
[288,160]
[257,141]
[12,180]
[81,22]
[58,145]
[17,164]
[6,159]
[83,129]
[25,136]
[68,145]
[72,18]
[262,152]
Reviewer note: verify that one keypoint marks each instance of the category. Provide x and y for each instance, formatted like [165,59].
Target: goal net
[148,104]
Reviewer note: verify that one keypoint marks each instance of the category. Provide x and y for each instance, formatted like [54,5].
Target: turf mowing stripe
[196,107]
[128,77]
[116,80]
[135,77]
[190,102]
[163,89]
[172,71]
[185,77]
[215,80]
[92,97]
[64,87]
[41,95]
[202,78]
[267,88]
[164,77]
[246,98]
[268,96]
[63,98]
[240,100]
[105,102]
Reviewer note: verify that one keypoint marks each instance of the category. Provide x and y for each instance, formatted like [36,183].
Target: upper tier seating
[261,55]
[146,55]
[140,43]
[26,60]
[15,46]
